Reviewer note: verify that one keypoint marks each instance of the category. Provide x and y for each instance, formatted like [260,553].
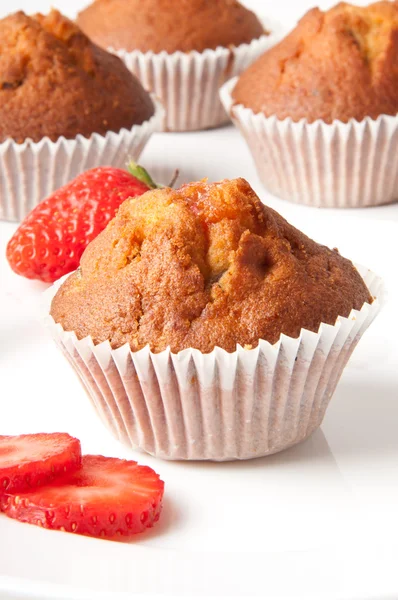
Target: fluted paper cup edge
[328,165]
[31,171]
[193,104]
[174,392]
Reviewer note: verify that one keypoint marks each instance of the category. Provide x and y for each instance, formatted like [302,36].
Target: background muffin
[66,106]
[55,82]
[169,25]
[340,64]
[182,50]
[319,111]
[203,266]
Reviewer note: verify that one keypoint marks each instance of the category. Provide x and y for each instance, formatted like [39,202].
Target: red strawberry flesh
[51,239]
[27,461]
[107,497]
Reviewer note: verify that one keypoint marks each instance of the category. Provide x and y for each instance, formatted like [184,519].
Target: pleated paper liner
[30,171]
[217,406]
[340,165]
[188,83]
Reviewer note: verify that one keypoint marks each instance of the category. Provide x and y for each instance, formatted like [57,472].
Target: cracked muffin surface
[169,25]
[203,266]
[341,64]
[54,82]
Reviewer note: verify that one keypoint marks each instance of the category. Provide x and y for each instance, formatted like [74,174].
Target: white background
[317,522]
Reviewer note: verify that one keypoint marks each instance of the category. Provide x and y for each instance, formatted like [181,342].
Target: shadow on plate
[169,518]
[313,450]
[363,417]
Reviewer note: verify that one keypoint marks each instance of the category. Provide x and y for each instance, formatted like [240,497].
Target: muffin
[157,25]
[205,326]
[55,82]
[63,100]
[203,266]
[337,65]
[181,50]
[325,99]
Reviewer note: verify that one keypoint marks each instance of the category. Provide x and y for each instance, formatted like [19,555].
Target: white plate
[317,521]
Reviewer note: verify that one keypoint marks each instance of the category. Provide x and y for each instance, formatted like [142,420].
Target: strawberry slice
[27,461]
[107,497]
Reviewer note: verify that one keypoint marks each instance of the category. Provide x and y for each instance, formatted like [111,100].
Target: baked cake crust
[341,64]
[169,25]
[203,266]
[54,82]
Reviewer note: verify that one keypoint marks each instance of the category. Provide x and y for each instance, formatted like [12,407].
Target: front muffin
[174,323]
[203,266]
[341,64]
[55,82]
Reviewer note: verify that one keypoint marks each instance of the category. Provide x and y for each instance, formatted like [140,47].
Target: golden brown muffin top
[340,64]
[203,266]
[169,25]
[54,82]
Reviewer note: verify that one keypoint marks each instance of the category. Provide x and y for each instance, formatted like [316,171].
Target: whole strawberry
[51,239]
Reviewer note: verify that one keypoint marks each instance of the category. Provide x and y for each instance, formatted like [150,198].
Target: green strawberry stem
[142,175]
[175,177]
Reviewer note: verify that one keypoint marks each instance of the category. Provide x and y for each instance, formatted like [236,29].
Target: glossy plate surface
[318,520]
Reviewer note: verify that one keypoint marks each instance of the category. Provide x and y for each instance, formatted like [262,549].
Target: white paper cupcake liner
[217,406]
[31,171]
[188,83]
[351,165]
